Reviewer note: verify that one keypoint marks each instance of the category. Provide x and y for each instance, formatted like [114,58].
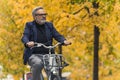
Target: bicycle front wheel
[54,77]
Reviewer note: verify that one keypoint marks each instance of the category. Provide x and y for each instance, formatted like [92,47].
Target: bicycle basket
[53,60]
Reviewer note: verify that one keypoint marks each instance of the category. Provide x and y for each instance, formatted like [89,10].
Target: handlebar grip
[35,44]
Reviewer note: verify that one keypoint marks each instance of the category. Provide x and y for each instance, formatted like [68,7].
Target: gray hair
[36,9]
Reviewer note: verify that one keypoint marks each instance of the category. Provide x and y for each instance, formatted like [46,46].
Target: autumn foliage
[75,19]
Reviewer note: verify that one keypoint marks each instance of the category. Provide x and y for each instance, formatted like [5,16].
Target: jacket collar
[35,31]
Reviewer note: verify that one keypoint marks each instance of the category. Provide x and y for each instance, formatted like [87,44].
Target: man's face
[40,16]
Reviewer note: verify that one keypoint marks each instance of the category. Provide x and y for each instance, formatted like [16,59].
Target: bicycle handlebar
[47,47]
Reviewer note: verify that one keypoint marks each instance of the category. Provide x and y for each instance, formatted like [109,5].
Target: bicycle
[53,63]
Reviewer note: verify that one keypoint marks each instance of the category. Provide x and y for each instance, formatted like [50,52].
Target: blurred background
[75,19]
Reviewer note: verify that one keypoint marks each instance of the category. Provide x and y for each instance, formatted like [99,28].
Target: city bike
[53,62]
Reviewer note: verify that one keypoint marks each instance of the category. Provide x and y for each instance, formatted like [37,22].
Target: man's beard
[41,22]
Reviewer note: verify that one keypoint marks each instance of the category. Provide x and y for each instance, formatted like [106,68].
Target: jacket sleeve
[57,35]
[26,34]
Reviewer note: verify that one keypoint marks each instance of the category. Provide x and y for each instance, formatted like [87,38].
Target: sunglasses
[45,14]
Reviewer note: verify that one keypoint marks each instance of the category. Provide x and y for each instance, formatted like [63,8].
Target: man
[41,31]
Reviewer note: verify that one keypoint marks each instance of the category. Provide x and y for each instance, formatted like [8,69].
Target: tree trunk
[96,55]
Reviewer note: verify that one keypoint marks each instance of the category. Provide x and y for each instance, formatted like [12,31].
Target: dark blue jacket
[30,34]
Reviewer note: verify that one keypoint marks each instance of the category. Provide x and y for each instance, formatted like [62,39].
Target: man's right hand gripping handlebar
[30,44]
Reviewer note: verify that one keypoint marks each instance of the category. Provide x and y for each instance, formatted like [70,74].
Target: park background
[75,19]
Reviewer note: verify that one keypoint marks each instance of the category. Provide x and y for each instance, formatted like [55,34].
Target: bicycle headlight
[55,72]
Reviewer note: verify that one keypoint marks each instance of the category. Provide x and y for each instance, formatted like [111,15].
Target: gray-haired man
[41,31]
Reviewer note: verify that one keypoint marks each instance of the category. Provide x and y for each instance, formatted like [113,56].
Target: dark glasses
[45,14]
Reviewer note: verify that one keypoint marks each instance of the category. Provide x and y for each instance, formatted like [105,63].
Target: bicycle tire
[54,77]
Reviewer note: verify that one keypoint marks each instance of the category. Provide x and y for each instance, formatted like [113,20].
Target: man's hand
[67,43]
[30,44]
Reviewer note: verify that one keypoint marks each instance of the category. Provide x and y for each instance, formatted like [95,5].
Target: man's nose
[44,15]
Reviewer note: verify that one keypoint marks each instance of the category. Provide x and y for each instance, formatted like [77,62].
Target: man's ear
[34,17]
